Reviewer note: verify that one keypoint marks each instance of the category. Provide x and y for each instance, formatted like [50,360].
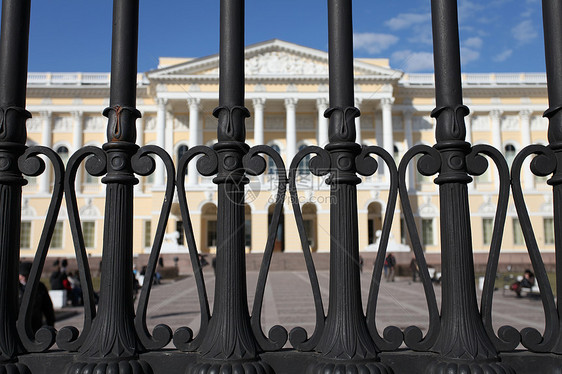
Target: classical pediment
[271,60]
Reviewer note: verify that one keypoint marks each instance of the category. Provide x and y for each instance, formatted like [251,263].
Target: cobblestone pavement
[288,302]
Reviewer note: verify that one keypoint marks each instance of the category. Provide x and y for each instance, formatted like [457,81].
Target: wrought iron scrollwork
[143,164]
[255,165]
[319,165]
[207,166]
[31,165]
[543,164]
[367,166]
[508,337]
[429,164]
[69,338]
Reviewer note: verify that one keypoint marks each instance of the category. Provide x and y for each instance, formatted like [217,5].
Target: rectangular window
[427,231]
[517,233]
[371,231]
[420,178]
[89,232]
[248,233]
[88,178]
[487,228]
[403,230]
[211,233]
[309,230]
[179,229]
[25,234]
[548,224]
[56,241]
[147,239]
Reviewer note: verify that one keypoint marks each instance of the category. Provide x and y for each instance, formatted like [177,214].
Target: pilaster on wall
[193,104]
[47,141]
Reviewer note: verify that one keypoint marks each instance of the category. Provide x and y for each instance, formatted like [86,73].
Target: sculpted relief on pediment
[283,63]
[280,63]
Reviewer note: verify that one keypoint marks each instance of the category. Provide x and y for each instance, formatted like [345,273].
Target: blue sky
[496,35]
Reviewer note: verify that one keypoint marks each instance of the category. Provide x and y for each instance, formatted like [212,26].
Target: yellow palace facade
[287,94]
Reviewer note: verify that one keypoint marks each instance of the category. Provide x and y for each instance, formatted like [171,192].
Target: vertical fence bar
[552,22]
[345,344]
[112,344]
[229,343]
[13,79]
[462,342]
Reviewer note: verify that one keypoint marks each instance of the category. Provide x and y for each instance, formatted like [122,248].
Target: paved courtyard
[288,302]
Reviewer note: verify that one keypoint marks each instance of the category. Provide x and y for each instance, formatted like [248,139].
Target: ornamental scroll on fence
[230,339]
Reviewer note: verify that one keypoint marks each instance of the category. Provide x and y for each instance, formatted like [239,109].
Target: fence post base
[468,367]
[242,367]
[116,367]
[348,367]
[14,368]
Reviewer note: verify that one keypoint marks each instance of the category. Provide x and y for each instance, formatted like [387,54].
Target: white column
[468,126]
[77,140]
[528,178]
[408,136]
[140,142]
[468,138]
[291,137]
[496,115]
[387,130]
[258,120]
[322,132]
[380,143]
[160,139]
[258,127]
[47,140]
[169,142]
[193,103]
[358,102]
[496,133]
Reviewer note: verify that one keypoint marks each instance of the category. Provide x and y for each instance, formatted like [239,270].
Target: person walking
[391,264]
[415,269]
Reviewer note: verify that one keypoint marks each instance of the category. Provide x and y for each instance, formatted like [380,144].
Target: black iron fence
[115,338]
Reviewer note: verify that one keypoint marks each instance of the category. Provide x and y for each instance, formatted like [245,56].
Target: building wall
[500,116]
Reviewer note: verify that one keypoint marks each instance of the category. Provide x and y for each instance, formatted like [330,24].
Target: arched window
[396,152]
[303,165]
[374,221]
[271,168]
[310,222]
[181,150]
[88,179]
[510,152]
[209,227]
[248,227]
[279,245]
[63,153]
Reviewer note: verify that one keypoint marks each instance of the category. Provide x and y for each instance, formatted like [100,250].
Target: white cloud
[468,55]
[413,61]
[406,20]
[474,42]
[421,35]
[373,43]
[502,56]
[524,32]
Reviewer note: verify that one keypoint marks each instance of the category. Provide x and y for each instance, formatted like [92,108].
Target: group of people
[528,281]
[61,279]
[41,306]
